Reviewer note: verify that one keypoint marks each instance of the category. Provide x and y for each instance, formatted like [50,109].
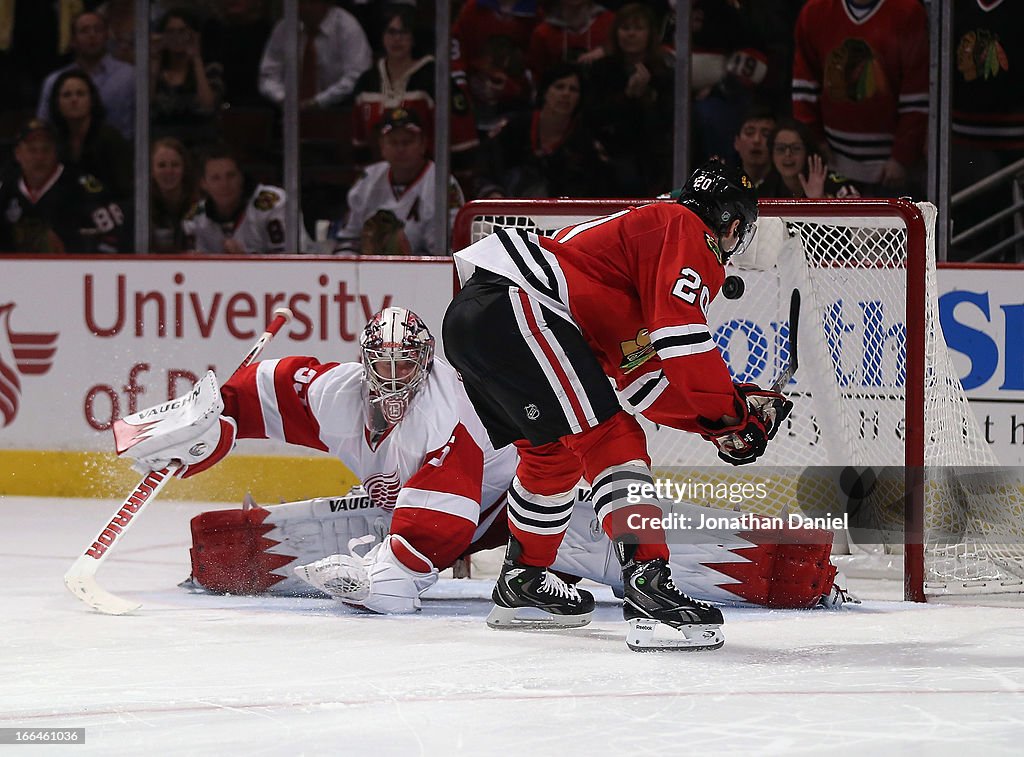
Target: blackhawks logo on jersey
[980,54]
[266,200]
[712,244]
[90,183]
[636,351]
[853,72]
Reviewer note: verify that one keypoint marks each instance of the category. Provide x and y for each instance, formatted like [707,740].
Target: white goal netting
[862,351]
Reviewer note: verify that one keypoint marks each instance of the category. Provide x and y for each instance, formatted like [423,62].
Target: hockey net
[881,423]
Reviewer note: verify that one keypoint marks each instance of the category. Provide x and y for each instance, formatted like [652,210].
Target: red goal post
[871,355]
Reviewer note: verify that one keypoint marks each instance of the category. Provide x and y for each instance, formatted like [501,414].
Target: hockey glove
[770,407]
[738,443]
[188,430]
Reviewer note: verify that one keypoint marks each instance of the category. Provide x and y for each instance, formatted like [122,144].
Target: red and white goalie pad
[733,558]
[255,549]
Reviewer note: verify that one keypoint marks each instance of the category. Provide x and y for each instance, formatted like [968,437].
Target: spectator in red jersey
[480,21]
[547,152]
[404,78]
[860,81]
[84,138]
[572,29]
[799,170]
[631,101]
[988,113]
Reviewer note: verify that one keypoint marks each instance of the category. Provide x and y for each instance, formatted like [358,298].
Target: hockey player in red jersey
[536,331]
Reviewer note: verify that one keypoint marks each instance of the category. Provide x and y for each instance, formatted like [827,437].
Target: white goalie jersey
[436,470]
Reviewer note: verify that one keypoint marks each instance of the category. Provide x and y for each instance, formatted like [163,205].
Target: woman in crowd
[173,190]
[549,151]
[631,103]
[404,78]
[798,170]
[185,92]
[84,138]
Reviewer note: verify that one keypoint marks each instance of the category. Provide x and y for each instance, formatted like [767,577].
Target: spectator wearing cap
[114,79]
[397,193]
[52,208]
[334,52]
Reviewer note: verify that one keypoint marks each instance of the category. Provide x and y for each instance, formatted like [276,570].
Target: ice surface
[207,675]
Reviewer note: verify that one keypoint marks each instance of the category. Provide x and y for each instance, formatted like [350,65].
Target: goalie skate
[661,618]
[526,596]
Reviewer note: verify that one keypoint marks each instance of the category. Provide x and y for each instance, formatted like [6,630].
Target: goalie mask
[720,194]
[397,352]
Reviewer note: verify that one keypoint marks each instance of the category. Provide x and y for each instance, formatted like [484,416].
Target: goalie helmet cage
[880,413]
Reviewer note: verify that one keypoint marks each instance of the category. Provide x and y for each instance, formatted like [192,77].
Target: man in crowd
[401,185]
[235,217]
[48,207]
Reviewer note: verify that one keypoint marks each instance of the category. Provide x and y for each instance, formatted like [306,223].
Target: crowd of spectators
[813,98]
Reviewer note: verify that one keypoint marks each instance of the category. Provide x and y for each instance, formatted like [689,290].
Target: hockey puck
[733,287]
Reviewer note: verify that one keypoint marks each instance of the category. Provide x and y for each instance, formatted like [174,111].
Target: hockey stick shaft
[794,326]
[80,577]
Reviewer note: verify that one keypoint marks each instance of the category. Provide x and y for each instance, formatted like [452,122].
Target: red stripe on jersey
[439,537]
[292,378]
[456,468]
[242,402]
[556,366]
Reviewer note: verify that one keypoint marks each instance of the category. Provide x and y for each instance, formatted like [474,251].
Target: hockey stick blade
[794,326]
[80,578]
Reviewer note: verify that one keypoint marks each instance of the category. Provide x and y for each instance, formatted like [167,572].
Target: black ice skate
[526,596]
[651,599]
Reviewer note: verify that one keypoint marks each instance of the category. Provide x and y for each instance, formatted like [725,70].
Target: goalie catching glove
[389,579]
[762,411]
[188,430]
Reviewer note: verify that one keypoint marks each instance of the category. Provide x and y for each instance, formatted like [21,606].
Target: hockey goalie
[433,489]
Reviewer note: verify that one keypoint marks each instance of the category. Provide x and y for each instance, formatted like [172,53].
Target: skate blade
[646,635]
[527,618]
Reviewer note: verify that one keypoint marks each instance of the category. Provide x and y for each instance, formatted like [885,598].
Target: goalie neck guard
[720,194]
[397,352]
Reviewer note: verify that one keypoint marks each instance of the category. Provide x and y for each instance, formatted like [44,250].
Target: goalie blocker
[254,550]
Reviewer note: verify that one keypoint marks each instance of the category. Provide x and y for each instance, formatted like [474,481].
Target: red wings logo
[383,489]
[21,354]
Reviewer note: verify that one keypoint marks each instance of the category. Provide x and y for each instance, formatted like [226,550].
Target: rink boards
[85,340]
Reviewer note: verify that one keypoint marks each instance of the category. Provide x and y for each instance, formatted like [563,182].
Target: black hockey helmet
[720,194]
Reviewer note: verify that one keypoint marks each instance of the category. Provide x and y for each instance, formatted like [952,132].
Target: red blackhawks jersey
[637,284]
[862,82]
[436,468]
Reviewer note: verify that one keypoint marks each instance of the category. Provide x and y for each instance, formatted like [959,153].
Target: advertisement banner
[85,341]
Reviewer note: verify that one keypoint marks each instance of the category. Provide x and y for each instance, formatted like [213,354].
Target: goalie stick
[81,576]
[794,326]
